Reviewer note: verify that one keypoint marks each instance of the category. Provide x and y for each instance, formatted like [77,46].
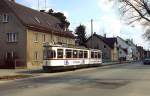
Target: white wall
[123,45]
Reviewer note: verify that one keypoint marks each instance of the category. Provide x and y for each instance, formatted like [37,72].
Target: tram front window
[99,55]
[96,54]
[49,54]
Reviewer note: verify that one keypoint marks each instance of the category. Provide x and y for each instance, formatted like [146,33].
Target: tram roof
[75,47]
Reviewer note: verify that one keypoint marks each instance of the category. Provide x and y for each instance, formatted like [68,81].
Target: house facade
[112,42]
[147,54]
[107,45]
[141,51]
[134,49]
[23,31]
[125,50]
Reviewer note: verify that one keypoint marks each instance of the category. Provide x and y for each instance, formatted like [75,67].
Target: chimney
[132,40]
[105,35]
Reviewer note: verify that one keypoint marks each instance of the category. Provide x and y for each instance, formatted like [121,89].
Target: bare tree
[147,34]
[137,10]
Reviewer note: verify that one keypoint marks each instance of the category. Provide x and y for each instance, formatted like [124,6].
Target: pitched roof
[122,40]
[109,41]
[96,35]
[36,20]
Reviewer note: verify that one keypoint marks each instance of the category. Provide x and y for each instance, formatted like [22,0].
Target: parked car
[146,61]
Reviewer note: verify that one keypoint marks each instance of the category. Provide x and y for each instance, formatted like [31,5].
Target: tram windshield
[99,55]
[49,54]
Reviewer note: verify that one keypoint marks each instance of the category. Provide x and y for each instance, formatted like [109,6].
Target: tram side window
[92,54]
[75,54]
[51,54]
[59,53]
[85,54]
[80,54]
[99,55]
[68,53]
[96,55]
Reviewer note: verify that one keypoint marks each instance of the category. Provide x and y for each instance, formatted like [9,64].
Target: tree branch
[140,14]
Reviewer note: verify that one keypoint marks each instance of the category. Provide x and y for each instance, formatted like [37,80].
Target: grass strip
[13,77]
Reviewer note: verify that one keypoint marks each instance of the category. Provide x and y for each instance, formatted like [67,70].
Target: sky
[105,15]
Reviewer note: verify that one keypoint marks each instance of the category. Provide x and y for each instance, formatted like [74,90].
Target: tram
[58,57]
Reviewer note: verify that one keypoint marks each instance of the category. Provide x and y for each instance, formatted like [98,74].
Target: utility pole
[38,5]
[91,26]
[91,33]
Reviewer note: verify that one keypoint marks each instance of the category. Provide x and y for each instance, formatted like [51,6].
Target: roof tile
[38,20]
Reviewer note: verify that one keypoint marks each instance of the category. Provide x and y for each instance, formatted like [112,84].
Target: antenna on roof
[45,4]
[38,5]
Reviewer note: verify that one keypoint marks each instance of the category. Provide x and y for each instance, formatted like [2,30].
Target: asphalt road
[115,80]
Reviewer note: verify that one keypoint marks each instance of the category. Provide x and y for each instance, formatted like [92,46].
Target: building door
[9,61]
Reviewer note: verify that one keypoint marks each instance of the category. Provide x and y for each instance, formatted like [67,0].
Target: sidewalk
[8,72]
[38,72]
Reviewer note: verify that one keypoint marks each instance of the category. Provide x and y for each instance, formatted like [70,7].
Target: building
[112,42]
[147,54]
[141,51]
[134,49]
[107,45]
[125,50]
[23,32]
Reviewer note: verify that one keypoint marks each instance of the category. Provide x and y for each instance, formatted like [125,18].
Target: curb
[116,63]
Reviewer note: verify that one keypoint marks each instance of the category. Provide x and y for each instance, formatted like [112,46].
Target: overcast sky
[104,13]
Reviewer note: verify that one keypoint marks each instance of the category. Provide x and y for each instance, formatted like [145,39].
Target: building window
[59,53]
[12,37]
[36,37]
[8,55]
[120,52]
[43,37]
[104,46]
[11,55]
[5,18]
[68,53]
[37,19]
[36,55]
